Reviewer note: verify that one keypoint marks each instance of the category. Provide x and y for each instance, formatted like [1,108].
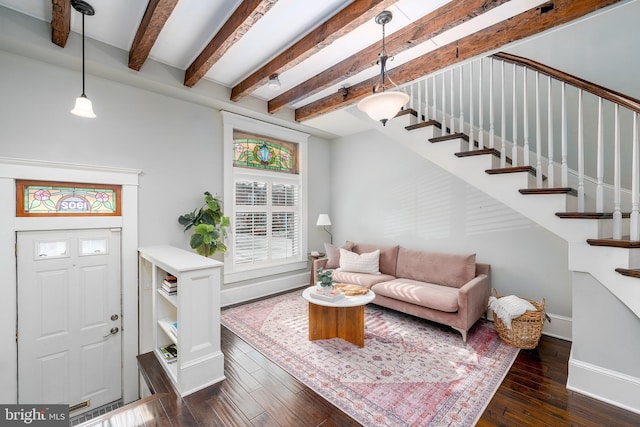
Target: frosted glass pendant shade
[83,107]
[383,106]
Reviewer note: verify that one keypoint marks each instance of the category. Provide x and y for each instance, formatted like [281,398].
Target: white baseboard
[559,327]
[603,384]
[236,295]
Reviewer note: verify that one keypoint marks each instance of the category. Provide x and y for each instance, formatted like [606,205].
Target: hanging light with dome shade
[83,106]
[383,105]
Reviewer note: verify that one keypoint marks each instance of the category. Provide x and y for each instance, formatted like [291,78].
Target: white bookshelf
[196,308]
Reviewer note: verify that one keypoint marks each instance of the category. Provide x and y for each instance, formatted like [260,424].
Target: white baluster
[580,155]
[563,140]
[444,103]
[550,173]
[600,161]
[525,114]
[480,108]
[635,191]
[538,135]
[514,147]
[503,117]
[617,213]
[418,107]
[452,117]
[427,115]
[491,123]
[411,103]
[471,130]
[461,68]
[433,95]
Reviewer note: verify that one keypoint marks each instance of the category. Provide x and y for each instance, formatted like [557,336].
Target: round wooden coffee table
[343,318]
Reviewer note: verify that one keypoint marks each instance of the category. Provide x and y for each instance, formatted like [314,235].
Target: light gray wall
[598,337]
[382,193]
[601,48]
[176,144]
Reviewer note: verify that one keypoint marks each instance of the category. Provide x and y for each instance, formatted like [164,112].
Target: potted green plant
[324,279]
[209,226]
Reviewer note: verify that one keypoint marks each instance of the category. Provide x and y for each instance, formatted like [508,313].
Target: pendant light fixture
[83,107]
[383,105]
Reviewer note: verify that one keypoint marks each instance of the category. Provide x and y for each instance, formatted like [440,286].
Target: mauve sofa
[446,288]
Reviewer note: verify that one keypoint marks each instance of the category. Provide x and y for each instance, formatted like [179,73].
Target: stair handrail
[593,88]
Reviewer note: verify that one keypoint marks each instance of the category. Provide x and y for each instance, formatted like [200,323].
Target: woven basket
[526,329]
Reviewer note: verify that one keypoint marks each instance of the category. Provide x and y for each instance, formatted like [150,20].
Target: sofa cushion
[360,263]
[437,297]
[361,279]
[333,254]
[388,255]
[435,267]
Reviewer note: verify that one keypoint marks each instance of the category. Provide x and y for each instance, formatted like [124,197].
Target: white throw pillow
[360,263]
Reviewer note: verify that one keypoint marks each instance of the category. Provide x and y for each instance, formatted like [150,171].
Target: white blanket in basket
[509,307]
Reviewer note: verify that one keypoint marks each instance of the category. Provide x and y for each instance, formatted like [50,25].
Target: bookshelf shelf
[165,325]
[195,308]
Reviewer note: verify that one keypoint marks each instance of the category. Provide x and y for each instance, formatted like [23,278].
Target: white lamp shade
[323,220]
[383,105]
[83,107]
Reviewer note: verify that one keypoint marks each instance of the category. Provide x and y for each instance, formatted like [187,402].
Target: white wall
[605,347]
[601,48]
[385,194]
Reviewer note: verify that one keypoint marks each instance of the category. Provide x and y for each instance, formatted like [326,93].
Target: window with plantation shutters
[267,199]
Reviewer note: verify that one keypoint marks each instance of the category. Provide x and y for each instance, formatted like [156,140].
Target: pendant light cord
[83,94]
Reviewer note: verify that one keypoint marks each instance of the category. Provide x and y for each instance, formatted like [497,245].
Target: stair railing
[535,106]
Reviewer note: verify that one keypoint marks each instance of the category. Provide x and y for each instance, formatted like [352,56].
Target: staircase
[500,123]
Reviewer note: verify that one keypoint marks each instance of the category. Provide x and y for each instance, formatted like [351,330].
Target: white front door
[69,317]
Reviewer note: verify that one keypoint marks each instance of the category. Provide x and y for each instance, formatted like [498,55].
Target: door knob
[114,317]
[113,331]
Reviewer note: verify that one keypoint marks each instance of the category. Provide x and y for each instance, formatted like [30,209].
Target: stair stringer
[539,208]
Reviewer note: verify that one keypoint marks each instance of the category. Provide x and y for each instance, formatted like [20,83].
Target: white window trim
[233,121]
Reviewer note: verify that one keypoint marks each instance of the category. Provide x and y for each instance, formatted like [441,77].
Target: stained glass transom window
[42,198]
[258,152]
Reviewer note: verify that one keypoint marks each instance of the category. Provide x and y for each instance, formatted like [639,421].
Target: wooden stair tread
[449,137]
[555,190]
[424,125]
[625,242]
[406,112]
[512,169]
[629,272]
[589,215]
[478,152]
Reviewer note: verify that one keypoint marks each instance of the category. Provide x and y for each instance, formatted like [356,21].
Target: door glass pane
[51,249]
[93,247]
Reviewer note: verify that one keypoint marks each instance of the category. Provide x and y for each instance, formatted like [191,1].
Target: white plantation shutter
[266,221]
[285,223]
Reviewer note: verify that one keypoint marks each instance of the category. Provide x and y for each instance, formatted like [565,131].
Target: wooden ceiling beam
[156,15]
[437,22]
[247,14]
[342,23]
[526,24]
[60,21]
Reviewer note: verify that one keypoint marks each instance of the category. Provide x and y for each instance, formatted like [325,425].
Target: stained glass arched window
[260,152]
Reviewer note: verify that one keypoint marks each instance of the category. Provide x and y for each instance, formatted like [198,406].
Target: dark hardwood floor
[257,392]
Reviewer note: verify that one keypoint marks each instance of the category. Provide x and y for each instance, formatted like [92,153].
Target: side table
[343,318]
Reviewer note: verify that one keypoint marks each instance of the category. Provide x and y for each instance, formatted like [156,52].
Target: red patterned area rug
[411,372]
